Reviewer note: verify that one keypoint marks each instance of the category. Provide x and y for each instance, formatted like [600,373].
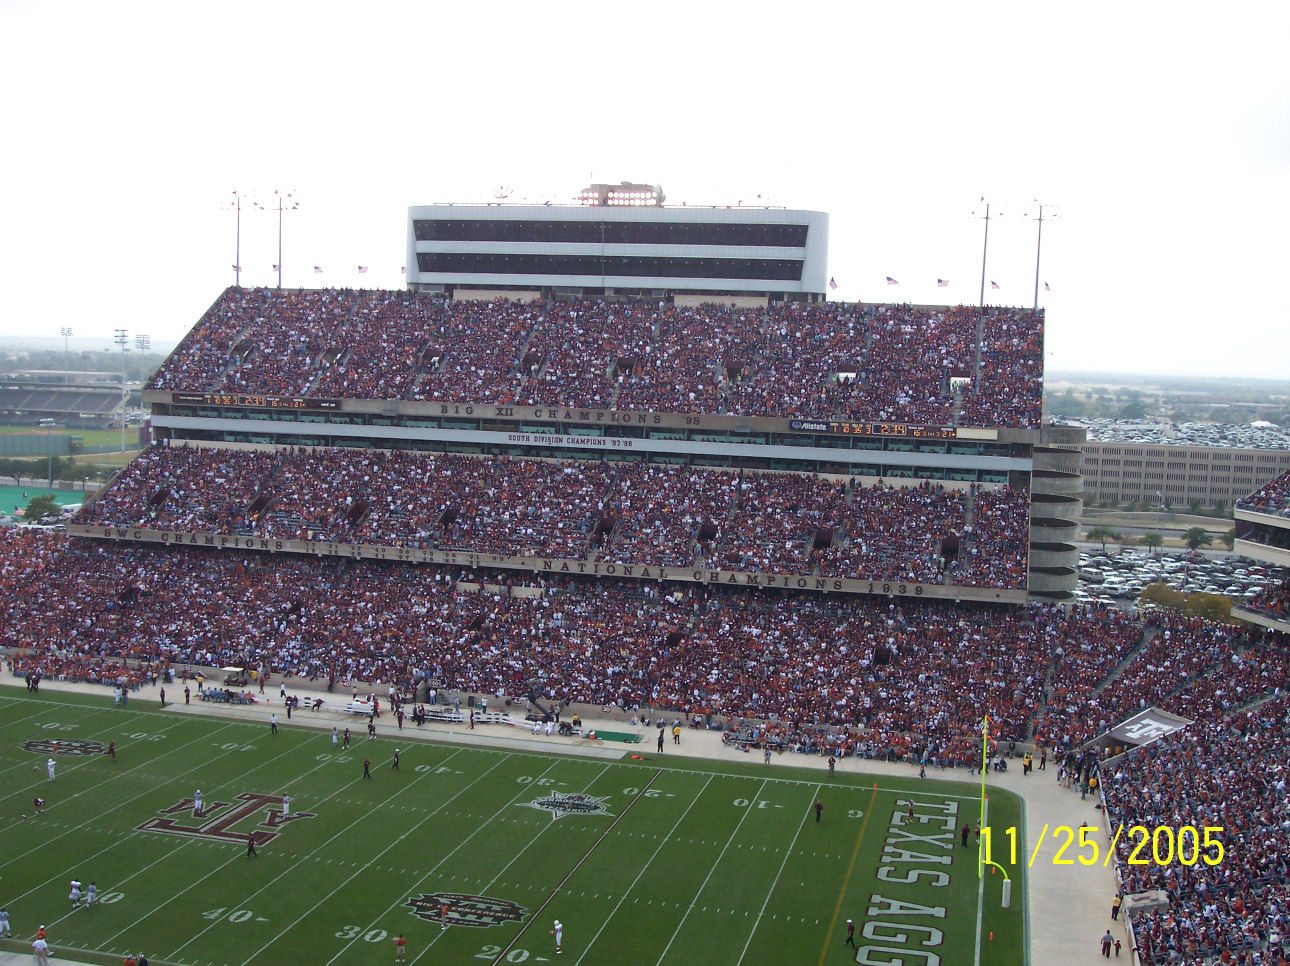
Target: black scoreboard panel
[874,429]
[254,402]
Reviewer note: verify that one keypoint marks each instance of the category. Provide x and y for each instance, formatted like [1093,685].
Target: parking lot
[1116,579]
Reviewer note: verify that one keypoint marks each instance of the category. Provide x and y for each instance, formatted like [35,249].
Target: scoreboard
[255,402]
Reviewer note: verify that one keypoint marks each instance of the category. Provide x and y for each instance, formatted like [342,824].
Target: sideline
[1069,903]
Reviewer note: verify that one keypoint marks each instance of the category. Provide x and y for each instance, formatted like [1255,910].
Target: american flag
[275,268]
[317,270]
[994,284]
[942,282]
[833,282]
[403,270]
[891,281]
[362,270]
[237,268]
[1046,288]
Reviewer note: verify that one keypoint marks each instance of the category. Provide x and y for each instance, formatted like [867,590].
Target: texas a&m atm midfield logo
[221,819]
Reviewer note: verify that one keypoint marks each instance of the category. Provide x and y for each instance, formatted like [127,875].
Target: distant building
[618,242]
[1123,473]
[1259,434]
[1213,464]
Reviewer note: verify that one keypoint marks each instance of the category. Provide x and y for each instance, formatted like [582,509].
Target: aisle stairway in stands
[1148,635]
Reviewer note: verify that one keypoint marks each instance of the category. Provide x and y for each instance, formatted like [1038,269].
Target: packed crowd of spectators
[699,349]
[887,668]
[281,354]
[1273,601]
[477,353]
[658,514]
[823,360]
[897,533]
[53,665]
[995,544]
[775,523]
[580,348]
[857,662]
[662,510]
[199,362]
[174,487]
[1225,773]
[802,363]
[1012,370]
[378,351]
[1272,497]
[1174,670]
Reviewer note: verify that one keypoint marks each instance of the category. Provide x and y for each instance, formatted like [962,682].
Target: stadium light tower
[1039,240]
[236,205]
[286,202]
[625,194]
[66,332]
[48,426]
[122,338]
[980,316]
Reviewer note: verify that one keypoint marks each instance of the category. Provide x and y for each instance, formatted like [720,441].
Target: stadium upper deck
[1263,533]
[891,365]
[636,519]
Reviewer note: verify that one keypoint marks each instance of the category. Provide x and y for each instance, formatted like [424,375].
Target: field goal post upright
[983,841]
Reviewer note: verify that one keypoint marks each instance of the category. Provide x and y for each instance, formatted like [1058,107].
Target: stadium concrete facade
[1124,473]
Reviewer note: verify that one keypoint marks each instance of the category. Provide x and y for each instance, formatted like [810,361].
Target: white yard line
[576,866]
[64,766]
[184,844]
[623,898]
[518,853]
[99,788]
[747,811]
[762,911]
[53,735]
[312,852]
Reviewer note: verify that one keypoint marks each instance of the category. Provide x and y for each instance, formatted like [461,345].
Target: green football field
[647,861]
[16,498]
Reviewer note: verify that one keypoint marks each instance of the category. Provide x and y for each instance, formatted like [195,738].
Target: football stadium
[610,595]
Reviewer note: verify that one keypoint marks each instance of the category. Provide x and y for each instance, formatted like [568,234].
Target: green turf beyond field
[661,860]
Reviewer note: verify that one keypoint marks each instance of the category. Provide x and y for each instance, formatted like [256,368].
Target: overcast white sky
[1159,132]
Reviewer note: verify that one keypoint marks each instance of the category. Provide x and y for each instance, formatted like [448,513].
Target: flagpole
[1038,243]
[237,246]
[286,202]
[980,318]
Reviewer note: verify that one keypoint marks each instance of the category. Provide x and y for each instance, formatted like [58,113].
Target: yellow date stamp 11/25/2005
[1161,845]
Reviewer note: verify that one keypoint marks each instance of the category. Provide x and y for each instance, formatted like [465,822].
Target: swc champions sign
[462,558]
